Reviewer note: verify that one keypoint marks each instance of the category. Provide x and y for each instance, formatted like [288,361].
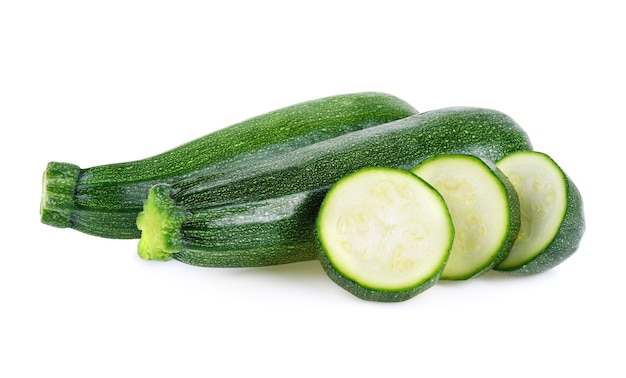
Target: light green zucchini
[105,200]
[265,214]
[484,207]
[384,234]
[552,213]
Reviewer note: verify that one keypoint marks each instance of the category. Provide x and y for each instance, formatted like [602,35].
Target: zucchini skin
[105,200]
[230,220]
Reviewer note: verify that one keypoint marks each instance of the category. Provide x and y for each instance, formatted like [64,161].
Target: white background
[100,82]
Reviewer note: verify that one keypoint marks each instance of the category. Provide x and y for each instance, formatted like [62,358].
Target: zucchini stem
[57,197]
[160,223]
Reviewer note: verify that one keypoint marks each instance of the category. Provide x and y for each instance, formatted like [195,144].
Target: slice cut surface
[484,209]
[384,234]
[552,220]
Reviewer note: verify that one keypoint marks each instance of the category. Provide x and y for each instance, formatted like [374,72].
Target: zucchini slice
[552,216]
[384,234]
[484,208]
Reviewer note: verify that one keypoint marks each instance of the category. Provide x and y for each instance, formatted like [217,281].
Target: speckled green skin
[566,240]
[105,200]
[265,214]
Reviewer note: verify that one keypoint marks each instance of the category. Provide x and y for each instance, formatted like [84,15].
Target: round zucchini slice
[384,234]
[552,213]
[484,208]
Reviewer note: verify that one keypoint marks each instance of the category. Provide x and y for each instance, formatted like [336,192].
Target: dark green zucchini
[105,200]
[265,214]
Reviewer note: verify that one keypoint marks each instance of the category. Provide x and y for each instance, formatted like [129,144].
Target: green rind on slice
[553,221]
[484,208]
[384,234]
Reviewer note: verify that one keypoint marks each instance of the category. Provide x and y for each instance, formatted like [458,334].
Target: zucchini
[265,214]
[484,207]
[552,213]
[105,200]
[384,234]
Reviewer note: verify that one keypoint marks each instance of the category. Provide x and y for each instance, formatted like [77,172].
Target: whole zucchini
[265,214]
[105,200]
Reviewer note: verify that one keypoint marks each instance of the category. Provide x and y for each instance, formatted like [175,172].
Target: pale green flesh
[385,229]
[541,187]
[479,209]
